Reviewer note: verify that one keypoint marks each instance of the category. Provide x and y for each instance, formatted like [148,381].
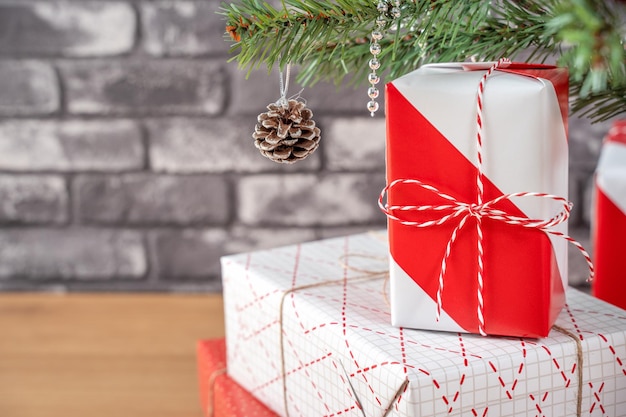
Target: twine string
[579,366]
[211,394]
[368,275]
[479,202]
[356,395]
[389,407]
[399,392]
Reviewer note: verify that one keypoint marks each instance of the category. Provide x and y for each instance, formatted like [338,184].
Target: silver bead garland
[377,34]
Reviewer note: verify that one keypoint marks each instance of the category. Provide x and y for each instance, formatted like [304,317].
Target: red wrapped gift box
[432,139]
[219,394]
[609,226]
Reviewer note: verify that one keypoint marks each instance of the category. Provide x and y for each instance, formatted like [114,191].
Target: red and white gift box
[609,226]
[308,333]
[432,127]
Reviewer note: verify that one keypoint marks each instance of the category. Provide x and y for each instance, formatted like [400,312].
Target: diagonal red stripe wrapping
[523,289]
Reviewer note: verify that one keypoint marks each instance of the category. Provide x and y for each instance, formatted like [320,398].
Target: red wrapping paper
[221,396]
[609,228]
[525,279]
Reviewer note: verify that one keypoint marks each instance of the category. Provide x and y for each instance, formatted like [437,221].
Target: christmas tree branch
[329,39]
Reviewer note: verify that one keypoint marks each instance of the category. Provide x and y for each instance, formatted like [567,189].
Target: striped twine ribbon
[457,209]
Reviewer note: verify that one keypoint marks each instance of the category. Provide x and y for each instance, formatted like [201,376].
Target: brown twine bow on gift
[368,275]
[579,366]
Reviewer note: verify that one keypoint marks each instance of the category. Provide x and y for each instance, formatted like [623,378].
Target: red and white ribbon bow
[457,209]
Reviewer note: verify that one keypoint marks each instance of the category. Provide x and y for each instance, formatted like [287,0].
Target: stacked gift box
[338,352]
[461,307]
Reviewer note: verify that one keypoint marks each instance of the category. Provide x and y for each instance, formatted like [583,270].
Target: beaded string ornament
[375,49]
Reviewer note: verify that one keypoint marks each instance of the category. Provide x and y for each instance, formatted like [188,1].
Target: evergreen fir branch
[594,35]
[329,39]
[599,106]
[298,32]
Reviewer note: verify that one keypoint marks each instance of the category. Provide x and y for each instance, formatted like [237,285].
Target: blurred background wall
[126,158]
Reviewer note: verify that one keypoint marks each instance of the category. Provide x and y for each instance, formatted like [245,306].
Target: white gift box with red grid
[339,355]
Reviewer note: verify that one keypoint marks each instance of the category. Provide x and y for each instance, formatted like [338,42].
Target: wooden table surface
[103,355]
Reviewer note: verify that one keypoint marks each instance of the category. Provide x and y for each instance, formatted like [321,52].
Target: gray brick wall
[126,161]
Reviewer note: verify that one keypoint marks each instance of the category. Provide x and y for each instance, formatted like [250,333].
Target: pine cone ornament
[287,132]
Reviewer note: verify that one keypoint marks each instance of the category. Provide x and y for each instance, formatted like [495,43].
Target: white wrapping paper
[341,353]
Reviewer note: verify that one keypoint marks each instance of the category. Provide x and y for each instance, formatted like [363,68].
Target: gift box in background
[609,222]
[432,141]
[309,334]
[220,396]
